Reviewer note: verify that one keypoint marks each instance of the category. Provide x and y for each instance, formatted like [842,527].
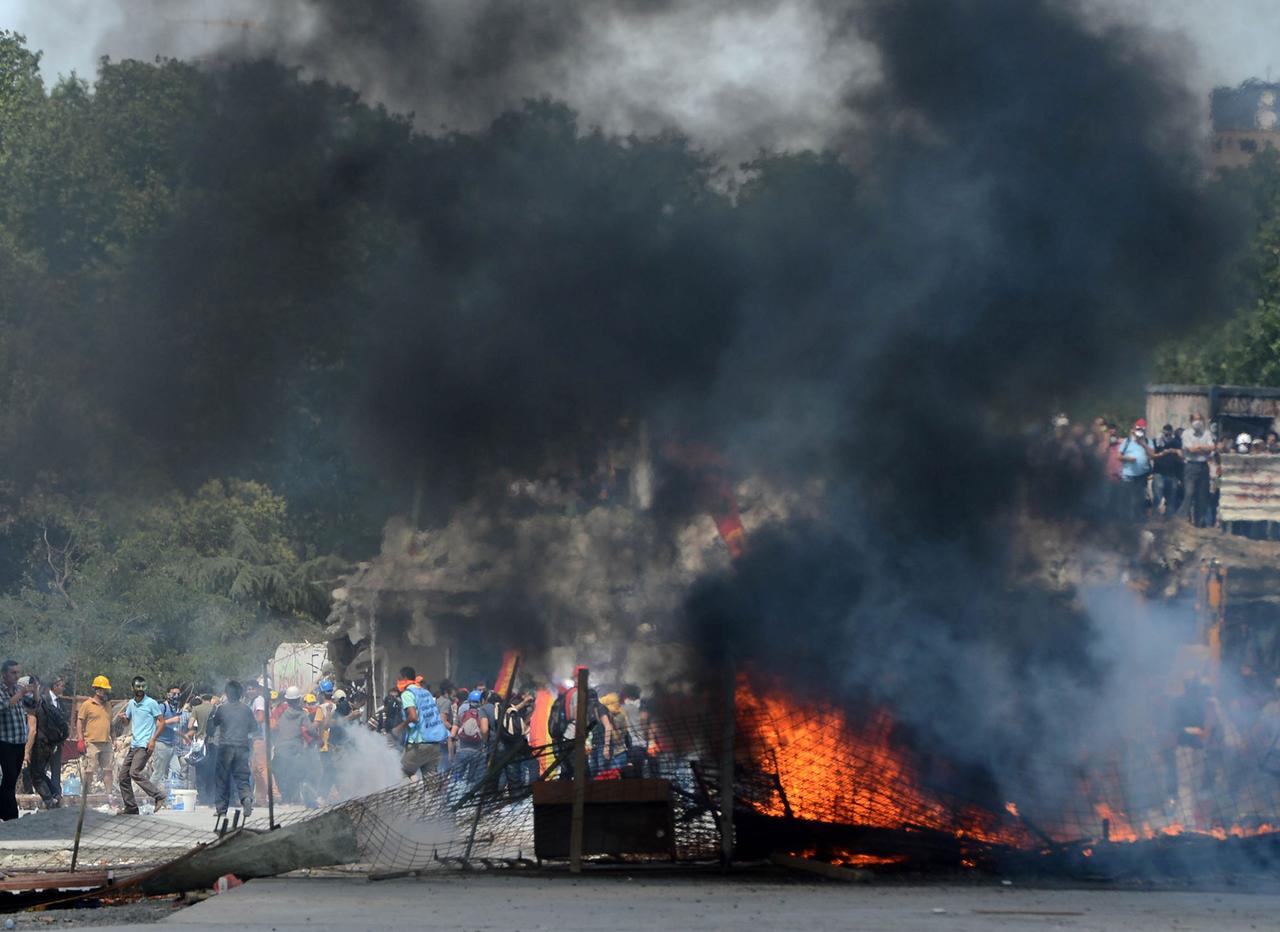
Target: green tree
[1246,351]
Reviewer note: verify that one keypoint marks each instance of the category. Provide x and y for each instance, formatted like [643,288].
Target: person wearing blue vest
[424,734]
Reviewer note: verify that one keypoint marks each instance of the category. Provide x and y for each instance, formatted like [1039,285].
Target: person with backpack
[423,733]
[563,730]
[513,743]
[471,738]
[52,729]
[617,746]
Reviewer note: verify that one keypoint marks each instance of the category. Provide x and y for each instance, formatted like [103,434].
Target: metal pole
[266,748]
[373,670]
[579,775]
[726,763]
[84,798]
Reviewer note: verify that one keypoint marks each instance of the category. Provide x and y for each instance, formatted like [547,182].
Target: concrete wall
[1174,407]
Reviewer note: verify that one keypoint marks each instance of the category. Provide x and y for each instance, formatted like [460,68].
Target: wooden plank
[579,774]
[821,868]
[54,880]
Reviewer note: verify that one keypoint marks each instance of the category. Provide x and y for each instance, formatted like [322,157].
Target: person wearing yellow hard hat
[93,736]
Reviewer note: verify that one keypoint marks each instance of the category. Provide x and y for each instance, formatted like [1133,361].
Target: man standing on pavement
[1166,481]
[289,752]
[1197,448]
[145,717]
[13,736]
[258,752]
[327,735]
[425,736]
[52,729]
[170,736]
[232,727]
[93,735]
[1135,458]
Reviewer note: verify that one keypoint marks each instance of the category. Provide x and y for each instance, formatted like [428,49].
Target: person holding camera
[13,735]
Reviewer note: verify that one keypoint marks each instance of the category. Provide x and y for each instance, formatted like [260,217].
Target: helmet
[101,682]
[293,692]
[1244,440]
[475,696]
[326,685]
[274,694]
[340,694]
[309,697]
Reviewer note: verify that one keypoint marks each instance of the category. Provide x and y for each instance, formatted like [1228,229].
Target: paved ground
[646,904]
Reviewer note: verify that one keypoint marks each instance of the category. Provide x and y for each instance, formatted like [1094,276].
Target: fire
[842,858]
[1118,826]
[830,769]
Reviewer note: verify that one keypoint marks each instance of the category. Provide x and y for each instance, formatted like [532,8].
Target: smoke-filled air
[437,263]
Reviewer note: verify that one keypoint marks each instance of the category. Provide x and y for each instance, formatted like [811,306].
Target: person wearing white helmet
[288,757]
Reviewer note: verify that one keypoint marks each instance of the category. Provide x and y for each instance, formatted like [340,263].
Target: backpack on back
[557,720]
[53,722]
[469,730]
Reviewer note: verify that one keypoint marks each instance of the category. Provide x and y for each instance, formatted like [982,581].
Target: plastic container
[147,807]
[184,800]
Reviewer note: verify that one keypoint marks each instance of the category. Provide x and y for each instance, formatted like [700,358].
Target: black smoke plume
[1019,213]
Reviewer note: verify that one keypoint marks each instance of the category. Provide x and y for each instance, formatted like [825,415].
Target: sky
[735,76]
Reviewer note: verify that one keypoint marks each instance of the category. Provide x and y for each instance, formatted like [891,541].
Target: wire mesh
[796,768]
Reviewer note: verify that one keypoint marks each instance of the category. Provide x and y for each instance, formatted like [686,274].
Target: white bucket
[184,800]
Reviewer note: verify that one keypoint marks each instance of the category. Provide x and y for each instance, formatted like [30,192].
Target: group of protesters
[137,753]
[216,742]
[473,734]
[1176,471]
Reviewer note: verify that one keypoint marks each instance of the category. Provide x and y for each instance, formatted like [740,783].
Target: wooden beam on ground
[821,868]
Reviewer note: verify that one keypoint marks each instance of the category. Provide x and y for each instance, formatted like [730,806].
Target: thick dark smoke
[1033,205]
[1028,214]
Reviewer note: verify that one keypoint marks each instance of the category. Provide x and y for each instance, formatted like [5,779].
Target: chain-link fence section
[807,779]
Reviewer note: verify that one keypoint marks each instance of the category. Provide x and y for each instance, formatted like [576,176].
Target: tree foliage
[1246,351]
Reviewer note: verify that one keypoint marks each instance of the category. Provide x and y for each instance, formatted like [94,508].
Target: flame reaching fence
[807,780]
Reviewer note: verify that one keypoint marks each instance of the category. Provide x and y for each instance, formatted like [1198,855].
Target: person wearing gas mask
[1136,457]
[170,737]
[1197,448]
[145,717]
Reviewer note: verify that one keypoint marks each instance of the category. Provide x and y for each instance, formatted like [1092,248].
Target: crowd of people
[1175,472]
[471,732]
[138,752]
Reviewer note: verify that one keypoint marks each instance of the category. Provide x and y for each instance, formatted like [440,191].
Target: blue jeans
[1165,489]
[1196,476]
[468,765]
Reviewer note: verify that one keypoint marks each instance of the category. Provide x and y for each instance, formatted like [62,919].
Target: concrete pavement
[638,903]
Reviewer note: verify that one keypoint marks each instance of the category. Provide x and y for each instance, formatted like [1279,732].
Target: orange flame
[832,770]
